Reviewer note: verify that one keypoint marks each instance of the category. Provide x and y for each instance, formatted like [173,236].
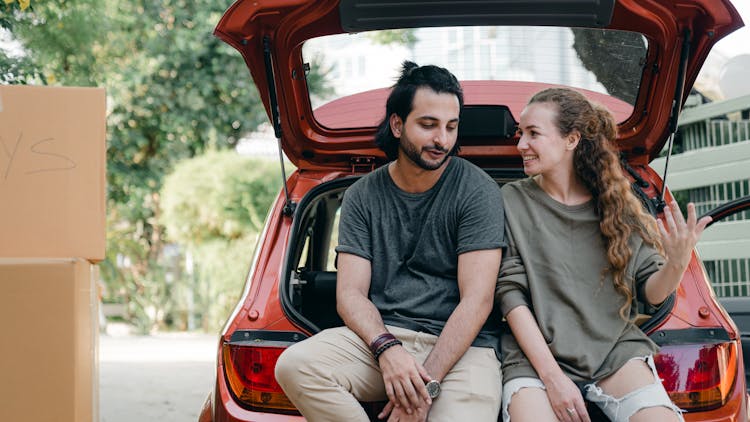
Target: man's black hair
[401,98]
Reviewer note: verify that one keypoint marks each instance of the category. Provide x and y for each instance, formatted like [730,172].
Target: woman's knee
[635,374]
[634,393]
[525,399]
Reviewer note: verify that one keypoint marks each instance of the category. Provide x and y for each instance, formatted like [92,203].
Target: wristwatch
[433,388]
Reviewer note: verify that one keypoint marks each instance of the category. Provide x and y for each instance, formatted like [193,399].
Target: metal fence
[714,168]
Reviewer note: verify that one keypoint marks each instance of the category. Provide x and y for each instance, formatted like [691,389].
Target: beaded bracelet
[381,340]
[386,346]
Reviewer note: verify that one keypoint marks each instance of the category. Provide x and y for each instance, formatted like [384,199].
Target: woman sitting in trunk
[581,252]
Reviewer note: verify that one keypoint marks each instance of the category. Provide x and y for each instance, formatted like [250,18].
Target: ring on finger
[571,411]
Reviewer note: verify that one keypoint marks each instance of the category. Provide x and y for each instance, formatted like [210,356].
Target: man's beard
[416,155]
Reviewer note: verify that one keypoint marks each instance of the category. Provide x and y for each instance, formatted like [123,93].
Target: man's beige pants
[327,375]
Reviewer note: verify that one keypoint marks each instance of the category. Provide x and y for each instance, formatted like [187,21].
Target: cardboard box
[52,172]
[48,354]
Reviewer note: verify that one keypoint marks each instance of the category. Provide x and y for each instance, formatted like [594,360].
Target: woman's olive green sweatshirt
[555,265]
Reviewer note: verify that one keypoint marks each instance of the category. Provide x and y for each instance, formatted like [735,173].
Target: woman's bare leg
[531,404]
[636,374]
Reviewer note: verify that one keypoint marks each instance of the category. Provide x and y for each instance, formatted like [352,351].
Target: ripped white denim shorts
[617,410]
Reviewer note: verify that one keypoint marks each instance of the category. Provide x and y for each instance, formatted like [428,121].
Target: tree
[61,40]
[214,207]
[218,195]
[17,69]
[598,50]
[174,91]
[21,4]
[406,37]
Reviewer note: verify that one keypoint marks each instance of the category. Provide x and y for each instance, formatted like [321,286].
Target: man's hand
[404,380]
[398,415]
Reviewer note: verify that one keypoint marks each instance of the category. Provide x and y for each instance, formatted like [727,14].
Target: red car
[323,67]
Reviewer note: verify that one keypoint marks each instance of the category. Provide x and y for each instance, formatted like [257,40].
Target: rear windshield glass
[603,61]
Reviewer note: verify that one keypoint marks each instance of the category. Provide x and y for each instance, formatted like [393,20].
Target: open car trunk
[309,291]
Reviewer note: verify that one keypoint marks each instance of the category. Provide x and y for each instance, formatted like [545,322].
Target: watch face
[433,388]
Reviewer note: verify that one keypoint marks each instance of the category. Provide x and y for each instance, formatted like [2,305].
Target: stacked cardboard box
[52,230]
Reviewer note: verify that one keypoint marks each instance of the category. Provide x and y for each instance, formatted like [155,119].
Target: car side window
[307,257]
[317,249]
[331,261]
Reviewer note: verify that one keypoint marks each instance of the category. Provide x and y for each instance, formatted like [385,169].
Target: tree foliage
[598,50]
[21,4]
[60,41]
[214,206]
[219,195]
[174,91]
[17,70]
[406,37]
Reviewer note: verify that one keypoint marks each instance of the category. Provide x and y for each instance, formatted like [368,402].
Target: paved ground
[161,378]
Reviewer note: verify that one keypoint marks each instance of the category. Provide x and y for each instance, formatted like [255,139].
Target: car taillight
[250,373]
[698,376]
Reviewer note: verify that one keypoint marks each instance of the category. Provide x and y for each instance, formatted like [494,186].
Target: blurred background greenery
[183,208]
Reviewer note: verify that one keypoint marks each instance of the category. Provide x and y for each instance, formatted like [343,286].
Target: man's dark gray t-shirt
[413,242]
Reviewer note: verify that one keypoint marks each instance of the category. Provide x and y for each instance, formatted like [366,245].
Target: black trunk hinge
[675,114]
[362,164]
[289,205]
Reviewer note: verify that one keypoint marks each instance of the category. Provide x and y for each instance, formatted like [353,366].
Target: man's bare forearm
[352,303]
[401,372]
[459,332]
[360,315]
[477,275]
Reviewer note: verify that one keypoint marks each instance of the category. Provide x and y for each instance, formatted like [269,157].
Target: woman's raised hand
[679,236]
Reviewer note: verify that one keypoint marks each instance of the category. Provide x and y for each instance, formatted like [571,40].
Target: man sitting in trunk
[419,251]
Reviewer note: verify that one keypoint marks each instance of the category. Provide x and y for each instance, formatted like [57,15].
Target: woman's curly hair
[596,164]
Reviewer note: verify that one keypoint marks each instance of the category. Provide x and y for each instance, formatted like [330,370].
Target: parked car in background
[637,57]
